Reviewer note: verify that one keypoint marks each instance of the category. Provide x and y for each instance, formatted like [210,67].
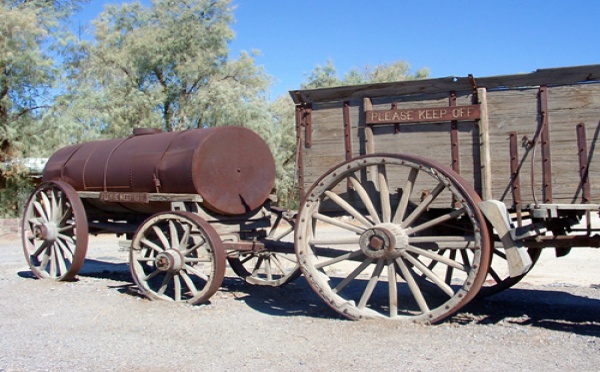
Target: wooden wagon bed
[522,139]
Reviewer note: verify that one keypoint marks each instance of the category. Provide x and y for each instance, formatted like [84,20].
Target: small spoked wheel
[275,266]
[54,231]
[393,236]
[177,256]
[265,268]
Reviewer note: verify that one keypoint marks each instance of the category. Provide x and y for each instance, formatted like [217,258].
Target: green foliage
[326,76]
[15,188]
[31,36]
[165,66]
[323,77]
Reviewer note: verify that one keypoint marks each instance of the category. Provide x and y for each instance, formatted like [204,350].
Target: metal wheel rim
[401,266]
[54,231]
[198,258]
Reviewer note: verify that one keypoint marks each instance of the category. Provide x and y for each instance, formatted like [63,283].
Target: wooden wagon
[412,188]
[417,196]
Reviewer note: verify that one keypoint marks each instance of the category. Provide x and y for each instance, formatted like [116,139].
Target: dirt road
[99,323]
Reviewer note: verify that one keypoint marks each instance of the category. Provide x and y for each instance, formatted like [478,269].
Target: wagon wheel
[177,256]
[270,267]
[498,279]
[395,247]
[54,231]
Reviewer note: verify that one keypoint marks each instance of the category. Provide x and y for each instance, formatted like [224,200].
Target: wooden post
[484,143]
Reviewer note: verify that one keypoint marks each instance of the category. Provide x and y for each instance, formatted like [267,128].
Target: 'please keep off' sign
[423,115]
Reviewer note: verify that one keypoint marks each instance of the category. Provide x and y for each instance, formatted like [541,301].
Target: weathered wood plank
[550,77]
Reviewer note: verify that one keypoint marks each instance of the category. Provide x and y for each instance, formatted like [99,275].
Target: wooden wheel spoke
[68,239]
[257,265]
[196,247]
[335,241]
[64,248]
[364,299]
[436,221]
[343,257]
[499,253]
[191,270]
[413,286]
[364,197]
[438,257]
[40,249]
[47,206]
[60,260]
[189,282]
[53,263]
[429,274]
[384,195]
[338,223]
[165,283]
[406,193]
[449,269]
[161,236]
[423,206]
[392,289]
[347,280]
[177,287]
[40,210]
[173,234]
[151,275]
[197,259]
[348,208]
[494,275]
[151,244]
[187,229]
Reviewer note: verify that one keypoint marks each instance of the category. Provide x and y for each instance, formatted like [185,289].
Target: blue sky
[451,38]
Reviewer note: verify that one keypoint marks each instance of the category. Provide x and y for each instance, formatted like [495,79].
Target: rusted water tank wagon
[231,168]
[184,201]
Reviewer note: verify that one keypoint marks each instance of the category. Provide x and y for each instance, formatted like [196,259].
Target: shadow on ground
[560,308]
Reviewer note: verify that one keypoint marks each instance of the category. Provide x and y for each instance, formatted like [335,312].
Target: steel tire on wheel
[177,256]
[54,231]
[410,244]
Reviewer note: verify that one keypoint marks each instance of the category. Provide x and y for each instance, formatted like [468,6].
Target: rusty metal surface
[515,181]
[230,167]
[545,139]
[583,164]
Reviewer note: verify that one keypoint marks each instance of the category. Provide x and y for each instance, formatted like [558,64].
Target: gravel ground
[99,323]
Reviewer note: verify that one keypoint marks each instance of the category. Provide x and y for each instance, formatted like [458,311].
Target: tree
[326,76]
[165,66]
[31,34]
[32,37]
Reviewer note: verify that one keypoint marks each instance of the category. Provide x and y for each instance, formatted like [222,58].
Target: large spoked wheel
[277,264]
[411,244]
[54,231]
[177,256]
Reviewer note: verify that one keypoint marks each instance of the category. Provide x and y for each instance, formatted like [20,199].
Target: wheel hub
[47,231]
[383,241]
[170,260]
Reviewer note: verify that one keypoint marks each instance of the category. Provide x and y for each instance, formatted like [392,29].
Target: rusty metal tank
[231,168]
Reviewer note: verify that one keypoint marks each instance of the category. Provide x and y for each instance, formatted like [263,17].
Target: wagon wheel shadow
[296,298]
[545,308]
